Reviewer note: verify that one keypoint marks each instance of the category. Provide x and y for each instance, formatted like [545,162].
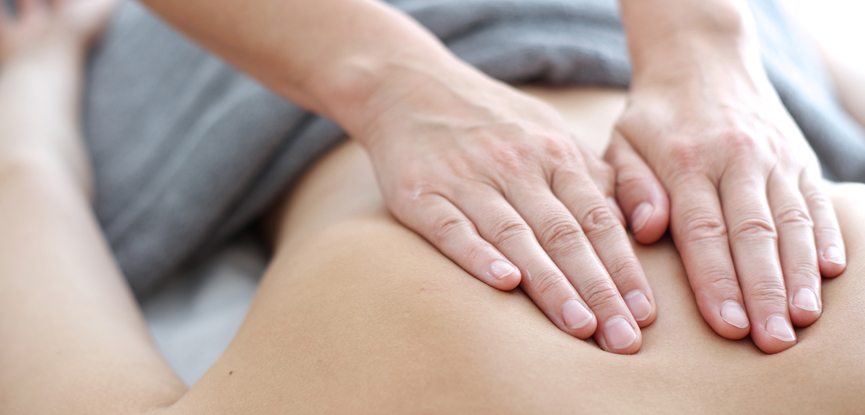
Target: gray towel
[188,152]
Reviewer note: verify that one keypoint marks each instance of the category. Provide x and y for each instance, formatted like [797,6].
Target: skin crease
[357,314]
[550,204]
[491,178]
[719,152]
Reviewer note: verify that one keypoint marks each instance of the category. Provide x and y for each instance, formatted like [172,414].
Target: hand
[493,180]
[746,205]
[42,48]
[41,23]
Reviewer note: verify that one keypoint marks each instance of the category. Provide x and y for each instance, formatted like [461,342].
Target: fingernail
[806,299]
[576,315]
[641,216]
[833,254]
[619,334]
[639,304]
[779,328]
[733,313]
[501,269]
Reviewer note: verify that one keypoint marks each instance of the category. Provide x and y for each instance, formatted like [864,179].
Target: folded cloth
[188,152]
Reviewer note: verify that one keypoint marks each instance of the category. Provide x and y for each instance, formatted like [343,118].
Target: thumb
[638,191]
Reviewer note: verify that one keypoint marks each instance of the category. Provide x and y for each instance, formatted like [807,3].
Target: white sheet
[195,317]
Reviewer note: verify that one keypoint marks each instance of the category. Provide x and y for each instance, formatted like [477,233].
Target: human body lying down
[360,311]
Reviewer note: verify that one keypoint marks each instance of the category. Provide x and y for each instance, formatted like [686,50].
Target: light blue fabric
[188,152]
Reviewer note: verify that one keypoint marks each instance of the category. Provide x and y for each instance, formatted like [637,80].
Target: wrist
[665,36]
[360,89]
[41,168]
[651,21]
[698,61]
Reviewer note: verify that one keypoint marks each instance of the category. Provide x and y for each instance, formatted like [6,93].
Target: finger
[639,192]
[700,235]
[605,180]
[542,280]
[753,241]
[827,232]
[563,239]
[444,226]
[797,249]
[610,242]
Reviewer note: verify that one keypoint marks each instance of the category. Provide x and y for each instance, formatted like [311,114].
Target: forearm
[73,341]
[327,55]
[669,38]
[40,96]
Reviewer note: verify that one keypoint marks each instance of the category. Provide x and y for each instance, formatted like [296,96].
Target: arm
[488,175]
[328,56]
[748,214]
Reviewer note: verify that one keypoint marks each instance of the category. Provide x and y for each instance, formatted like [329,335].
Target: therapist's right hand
[493,179]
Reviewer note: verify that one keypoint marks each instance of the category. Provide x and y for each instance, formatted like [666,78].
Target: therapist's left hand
[711,150]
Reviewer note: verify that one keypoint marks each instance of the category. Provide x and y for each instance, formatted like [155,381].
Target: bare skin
[492,179]
[357,313]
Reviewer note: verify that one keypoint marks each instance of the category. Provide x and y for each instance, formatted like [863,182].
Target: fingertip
[832,261]
[509,283]
[578,320]
[503,275]
[805,307]
[648,321]
[585,333]
[655,227]
[642,308]
[650,219]
[804,318]
[618,335]
[731,321]
[774,335]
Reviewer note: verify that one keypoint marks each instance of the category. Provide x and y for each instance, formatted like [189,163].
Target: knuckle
[410,192]
[508,159]
[558,149]
[448,227]
[600,293]
[565,176]
[561,235]
[630,180]
[508,229]
[700,226]
[793,216]
[598,220]
[805,271]
[686,157]
[717,282]
[817,199]
[753,228]
[720,281]
[739,143]
[606,171]
[547,282]
[475,253]
[624,270]
[769,291]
